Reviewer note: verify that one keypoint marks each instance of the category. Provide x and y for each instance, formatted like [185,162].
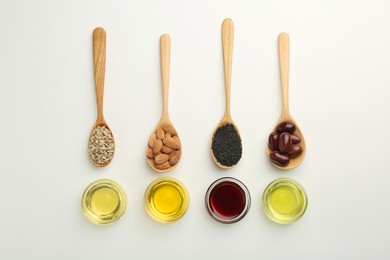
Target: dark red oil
[227,200]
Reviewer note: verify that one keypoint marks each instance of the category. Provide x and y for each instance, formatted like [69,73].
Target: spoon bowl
[163,124]
[99,55]
[294,162]
[226,146]
[163,152]
[105,125]
[223,123]
[284,57]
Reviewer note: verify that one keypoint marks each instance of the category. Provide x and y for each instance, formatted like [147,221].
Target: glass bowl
[166,200]
[227,200]
[103,202]
[284,201]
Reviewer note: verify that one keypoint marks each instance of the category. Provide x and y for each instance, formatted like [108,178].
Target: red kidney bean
[279,159]
[285,142]
[286,127]
[273,141]
[295,151]
[295,139]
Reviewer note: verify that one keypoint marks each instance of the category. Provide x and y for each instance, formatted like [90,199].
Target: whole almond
[157,146]
[165,149]
[174,157]
[161,158]
[163,166]
[151,140]
[170,142]
[149,153]
[176,138]
[160,133]
[169,129]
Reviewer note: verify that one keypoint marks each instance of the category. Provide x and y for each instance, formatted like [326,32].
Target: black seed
[226,145]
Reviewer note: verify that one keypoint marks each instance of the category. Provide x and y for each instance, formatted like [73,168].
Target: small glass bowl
[227,200]
[284,201]
[166,200]
[103,202]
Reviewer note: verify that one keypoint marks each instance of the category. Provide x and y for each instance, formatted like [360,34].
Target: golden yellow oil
[284,201]
[166,200]
[103,201]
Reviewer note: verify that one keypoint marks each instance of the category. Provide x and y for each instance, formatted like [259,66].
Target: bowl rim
[100,183]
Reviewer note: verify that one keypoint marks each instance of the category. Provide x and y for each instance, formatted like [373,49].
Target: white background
[339,95]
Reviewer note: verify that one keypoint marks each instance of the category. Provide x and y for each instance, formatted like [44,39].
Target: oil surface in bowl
[103,201]
[284,201]
[227,200]
[226,145]
[166,200]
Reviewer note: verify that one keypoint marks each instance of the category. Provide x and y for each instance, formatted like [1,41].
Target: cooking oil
[166,200]
[227,200]
[103,201]
[284,201]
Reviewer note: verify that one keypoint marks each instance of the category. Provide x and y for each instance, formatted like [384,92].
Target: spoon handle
[284,60]
[165,55]
[227,46]
[99,57]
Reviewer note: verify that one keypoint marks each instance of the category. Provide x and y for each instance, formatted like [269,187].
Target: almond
[161,158]
[163,166]
[149,153]
[157,146]
[151,140]
[169,129]
[176,138]
[174,157]
[165,149]
[170,142]
[160,133]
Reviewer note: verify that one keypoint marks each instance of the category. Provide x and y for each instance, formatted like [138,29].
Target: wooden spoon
[99,56]
[284,59]
[169,139]
[227,46]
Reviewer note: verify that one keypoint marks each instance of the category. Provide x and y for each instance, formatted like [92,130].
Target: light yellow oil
[166,200]
[284,201]
[103,201]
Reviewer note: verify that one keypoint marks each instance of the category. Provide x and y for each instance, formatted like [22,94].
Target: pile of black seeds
[226,146]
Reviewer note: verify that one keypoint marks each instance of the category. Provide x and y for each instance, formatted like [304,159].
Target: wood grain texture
[99,57]
[284,63]
[227,48]
[165,56]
